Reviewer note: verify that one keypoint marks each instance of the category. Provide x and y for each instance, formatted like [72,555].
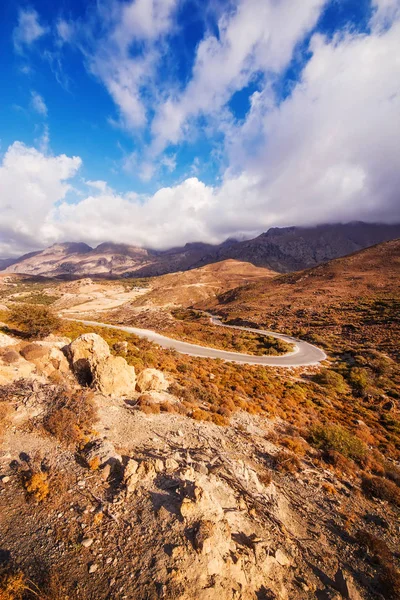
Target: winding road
[303,355]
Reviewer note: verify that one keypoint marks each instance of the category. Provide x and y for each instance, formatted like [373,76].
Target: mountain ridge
[283,250]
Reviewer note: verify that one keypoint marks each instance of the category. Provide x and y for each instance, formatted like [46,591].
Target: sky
[162,122]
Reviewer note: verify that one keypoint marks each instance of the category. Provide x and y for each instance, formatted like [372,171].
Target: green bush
[35,320]
[333,380]
[360,381]
[335,437]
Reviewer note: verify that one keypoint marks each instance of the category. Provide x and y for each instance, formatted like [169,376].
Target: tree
[35,320]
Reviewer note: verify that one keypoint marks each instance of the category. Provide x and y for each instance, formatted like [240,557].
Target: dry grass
[286,462]
[381,555]
[37,485]
[378,487]
[71,416]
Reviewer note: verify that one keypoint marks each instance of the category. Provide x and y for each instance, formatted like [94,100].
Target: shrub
[294,444]
[35,320]
[381,555]
[379,487]
[334,437]
[71,416]
[200,415]
[13,586]
[360,381]
[219,420]
[37,485]
[333,380]
[340,462]
[286,462]
[147,405]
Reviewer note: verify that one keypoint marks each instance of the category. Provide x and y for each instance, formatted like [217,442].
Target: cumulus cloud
[28,29]
[31,184]
[109,55]
[328,152]
[258,36]
[38,104]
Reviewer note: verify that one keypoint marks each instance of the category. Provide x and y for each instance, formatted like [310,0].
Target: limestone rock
[7,340]
[197,503]
[47,358]
[85,353]
[171,464]
[19,369]
[151,380]
[282,559]
[101,452]
[113,377]
[138,472]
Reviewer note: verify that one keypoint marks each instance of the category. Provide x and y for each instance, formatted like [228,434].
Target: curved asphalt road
[304,354]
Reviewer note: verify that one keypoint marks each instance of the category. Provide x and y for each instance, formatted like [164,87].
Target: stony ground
[100,500]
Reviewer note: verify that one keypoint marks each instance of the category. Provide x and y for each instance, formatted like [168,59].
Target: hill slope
[345,297]
[283,250]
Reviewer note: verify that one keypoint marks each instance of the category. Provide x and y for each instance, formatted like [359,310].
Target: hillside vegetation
[135,471]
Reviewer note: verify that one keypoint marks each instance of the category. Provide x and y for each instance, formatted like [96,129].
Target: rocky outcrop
[99,453]
[47,358]
[93,365]
[113,377]
[87,351]
[14,367]
[152,380]
[7,340]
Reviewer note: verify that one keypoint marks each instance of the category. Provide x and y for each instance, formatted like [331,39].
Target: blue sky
[160,122]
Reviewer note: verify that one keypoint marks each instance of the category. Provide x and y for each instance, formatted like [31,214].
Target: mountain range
[283,250]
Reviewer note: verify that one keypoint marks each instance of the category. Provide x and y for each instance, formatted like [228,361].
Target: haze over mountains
[279,249]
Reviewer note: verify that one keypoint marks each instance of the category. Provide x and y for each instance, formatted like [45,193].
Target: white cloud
[65,31]
[386,11]
[38,104]
[28,29]
[110,56]
[258,37]
[30,185]
[328,152]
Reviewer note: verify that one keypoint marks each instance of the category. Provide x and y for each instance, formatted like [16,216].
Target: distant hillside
[348,296]
[279,249]
[187,288]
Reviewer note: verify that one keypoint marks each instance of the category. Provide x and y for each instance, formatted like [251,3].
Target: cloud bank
[326,152]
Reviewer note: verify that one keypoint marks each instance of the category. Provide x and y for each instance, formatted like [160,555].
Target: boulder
[100,453]
[93,365]
[19,369]
[151,380]
[85,353]
[46,357]
[138,472]
[113,377]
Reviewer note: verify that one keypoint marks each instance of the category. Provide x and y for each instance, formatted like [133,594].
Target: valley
[225,470]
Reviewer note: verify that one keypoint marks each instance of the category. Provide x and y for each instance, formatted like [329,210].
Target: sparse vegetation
[378,487]
[334,437]
[70,416]
[35,320]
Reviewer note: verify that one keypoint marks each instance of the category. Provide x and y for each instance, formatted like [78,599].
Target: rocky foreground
[102,496]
